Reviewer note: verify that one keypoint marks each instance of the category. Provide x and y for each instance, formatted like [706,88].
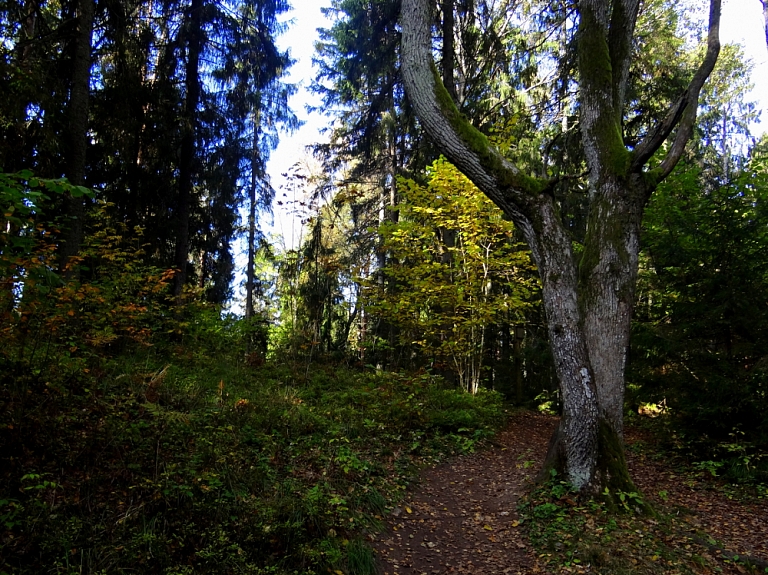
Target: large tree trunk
[579,426]
[588,306]
[188,153]
[77,127]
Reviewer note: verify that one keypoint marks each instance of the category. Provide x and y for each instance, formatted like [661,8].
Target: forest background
[143,425]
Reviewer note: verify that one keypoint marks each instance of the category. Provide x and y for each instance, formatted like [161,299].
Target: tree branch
[600,120]
[620,35]
[465,146]
[683,111]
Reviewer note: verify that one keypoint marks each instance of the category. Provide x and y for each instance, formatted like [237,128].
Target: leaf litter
[463,518]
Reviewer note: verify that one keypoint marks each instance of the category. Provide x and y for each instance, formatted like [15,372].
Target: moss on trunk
[612,482]
[490,158]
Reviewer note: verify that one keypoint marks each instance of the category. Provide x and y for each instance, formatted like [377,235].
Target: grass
[186,461]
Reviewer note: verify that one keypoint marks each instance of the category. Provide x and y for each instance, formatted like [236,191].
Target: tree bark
[77,128]
[588,306]
[28,29]
[449,53]
[188,153]
[255,174]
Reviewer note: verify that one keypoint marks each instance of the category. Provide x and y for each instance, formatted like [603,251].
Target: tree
[375,138]
[699,332]
[722,136]
[458,272]
[254,68]
[765,17]
[375,135]
[588,301]
[77,128]
[189,119]
[700,337]
[165,107]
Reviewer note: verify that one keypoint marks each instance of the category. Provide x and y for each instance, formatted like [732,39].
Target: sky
[742,22]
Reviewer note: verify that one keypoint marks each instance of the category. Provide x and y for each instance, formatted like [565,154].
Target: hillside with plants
[180,393]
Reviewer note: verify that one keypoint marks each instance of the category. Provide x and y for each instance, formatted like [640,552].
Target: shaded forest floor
[209,465]
[466,517]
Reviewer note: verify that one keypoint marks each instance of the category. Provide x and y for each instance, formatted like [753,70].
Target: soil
[462,517]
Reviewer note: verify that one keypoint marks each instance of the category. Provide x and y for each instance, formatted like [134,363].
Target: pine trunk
[77,128]
[250,275]
[188,152]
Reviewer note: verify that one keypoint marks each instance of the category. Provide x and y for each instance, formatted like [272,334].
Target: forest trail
[462,518]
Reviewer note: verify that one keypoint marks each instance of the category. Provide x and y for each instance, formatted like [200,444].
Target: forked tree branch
[682,114]
[464,146]
[620,36]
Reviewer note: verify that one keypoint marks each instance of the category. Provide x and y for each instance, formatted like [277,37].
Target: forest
[532,261]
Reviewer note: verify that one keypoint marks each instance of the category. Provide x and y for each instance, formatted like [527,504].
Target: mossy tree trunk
[588,302]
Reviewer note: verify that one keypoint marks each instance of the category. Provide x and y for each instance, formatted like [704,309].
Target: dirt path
[462,518]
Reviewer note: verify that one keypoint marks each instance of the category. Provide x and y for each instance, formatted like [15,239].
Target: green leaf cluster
[700,342]
[24,199]
[455,270]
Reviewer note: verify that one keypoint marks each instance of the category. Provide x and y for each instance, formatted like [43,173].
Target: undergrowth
[143,433]
[733,463]
[574,534]
[203,466]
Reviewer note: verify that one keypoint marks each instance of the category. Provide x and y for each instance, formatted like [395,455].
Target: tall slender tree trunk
[255,171]
[382,327]
[387,201]
[77,131]
[449,52]
[448,235]
[187,158]
[765,18]
[28,27]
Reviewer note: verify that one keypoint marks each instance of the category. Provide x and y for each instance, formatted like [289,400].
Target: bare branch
[683,112]
[565,178]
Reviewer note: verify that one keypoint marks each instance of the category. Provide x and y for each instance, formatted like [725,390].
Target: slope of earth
[462,518]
